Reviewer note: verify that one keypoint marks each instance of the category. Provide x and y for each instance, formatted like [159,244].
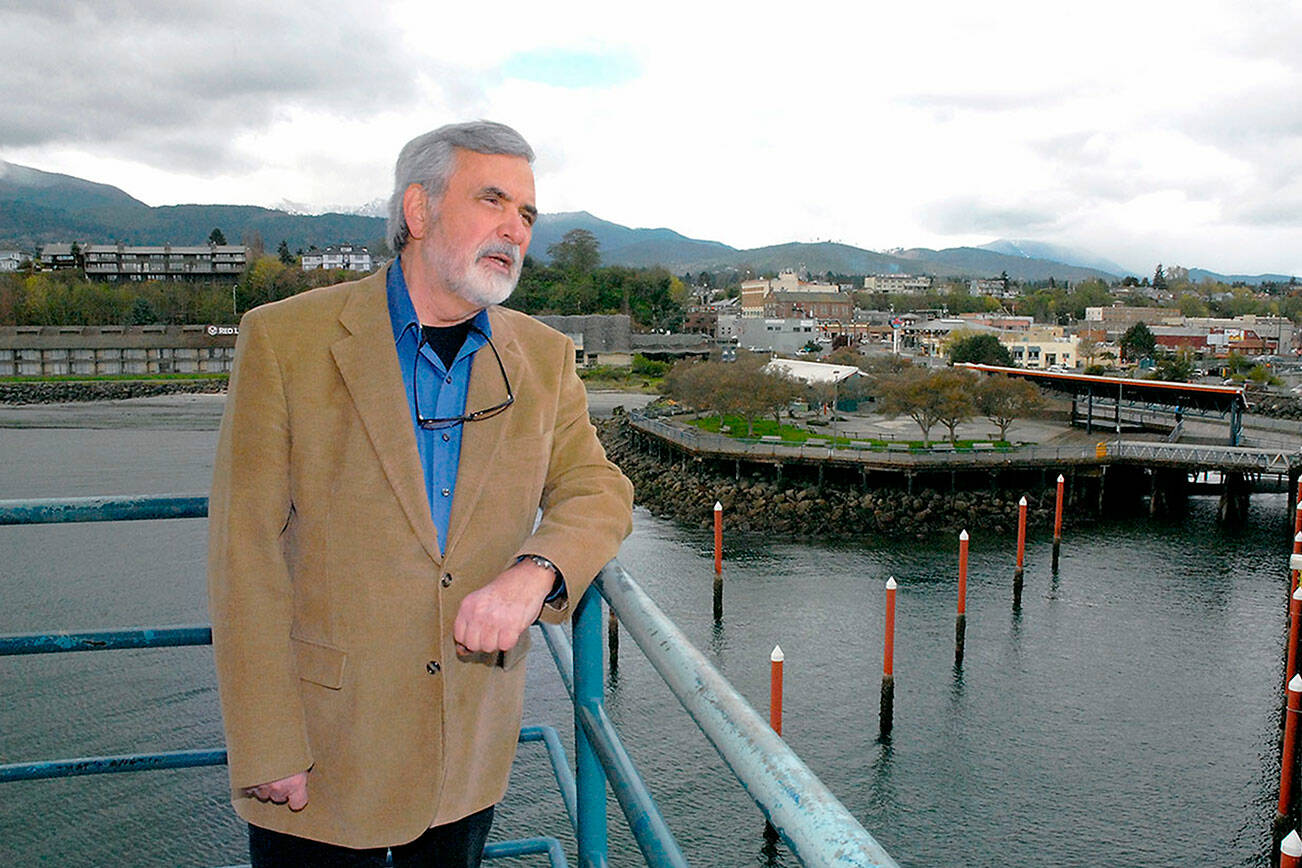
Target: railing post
[589,777]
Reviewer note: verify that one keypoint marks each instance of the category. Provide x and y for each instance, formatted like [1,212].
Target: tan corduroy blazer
[332,609]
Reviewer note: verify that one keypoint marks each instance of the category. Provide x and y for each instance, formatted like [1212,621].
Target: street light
[234,311]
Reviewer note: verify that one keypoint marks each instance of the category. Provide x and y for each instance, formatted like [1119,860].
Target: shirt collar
[402,313]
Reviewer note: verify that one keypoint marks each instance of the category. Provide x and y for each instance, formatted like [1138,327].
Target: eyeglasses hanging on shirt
[436,422]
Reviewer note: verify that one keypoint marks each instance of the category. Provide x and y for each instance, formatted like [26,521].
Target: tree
[954,388]
[983,349]
[910,393]
[1003,399]
[1159,278]
[1138,342]
[577,253]
[283,253]
[1175,368]
[216,237]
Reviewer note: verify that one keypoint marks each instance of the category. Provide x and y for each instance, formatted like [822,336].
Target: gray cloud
[175,82]
[969,215]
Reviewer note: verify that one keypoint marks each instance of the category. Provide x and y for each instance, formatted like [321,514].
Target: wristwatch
[558,586]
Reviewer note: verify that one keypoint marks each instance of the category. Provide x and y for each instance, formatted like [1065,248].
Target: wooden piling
[887,712]
[1287,761]
[775,689]
[1057,521]
[1021,552]
[612,638]
[960,620]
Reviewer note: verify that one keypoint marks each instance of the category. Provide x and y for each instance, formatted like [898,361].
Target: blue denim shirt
[442,394]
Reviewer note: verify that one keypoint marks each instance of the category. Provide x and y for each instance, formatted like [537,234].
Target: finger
[298,798]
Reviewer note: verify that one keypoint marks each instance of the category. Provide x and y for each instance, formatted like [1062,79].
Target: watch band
[558,586]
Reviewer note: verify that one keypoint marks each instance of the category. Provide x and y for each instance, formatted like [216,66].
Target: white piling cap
[1060,479]
[718,507]
[963,536]
[1295,562]
[1297,595]
[890,584]
[1022,502]
[1297,537]
[776,656]
[1291,845]
[1295,686]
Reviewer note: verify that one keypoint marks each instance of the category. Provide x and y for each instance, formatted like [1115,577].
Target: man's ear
[415,207]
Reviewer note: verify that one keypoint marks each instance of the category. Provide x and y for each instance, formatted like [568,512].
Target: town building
[1042,347]
[993,287]
[898,284]
[113,262]
[782,304]
[755,294]
[777,335]
[11,260]
[344,256]
[48,351]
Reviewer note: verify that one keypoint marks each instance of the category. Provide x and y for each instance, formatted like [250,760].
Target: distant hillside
[1198,275]
[1055,253]
[40,207]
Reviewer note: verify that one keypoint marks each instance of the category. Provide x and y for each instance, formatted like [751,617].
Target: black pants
[455,845]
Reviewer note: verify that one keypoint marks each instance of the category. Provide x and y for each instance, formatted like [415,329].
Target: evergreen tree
[217,237]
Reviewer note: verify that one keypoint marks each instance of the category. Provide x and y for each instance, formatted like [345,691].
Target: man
[376,554]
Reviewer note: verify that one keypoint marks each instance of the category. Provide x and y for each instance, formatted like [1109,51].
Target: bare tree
[954,389]
[1003,399]
[911,393]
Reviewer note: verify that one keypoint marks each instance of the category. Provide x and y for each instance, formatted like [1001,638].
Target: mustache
[500,248]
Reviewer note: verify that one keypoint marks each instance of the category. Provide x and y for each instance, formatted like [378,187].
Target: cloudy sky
[1142,131]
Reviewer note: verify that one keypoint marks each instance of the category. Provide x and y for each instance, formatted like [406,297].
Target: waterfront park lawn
[735,426]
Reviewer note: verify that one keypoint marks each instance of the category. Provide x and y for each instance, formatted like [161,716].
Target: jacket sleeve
[587,503]
[250,598]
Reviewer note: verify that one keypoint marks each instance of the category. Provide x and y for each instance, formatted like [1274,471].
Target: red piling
[887,712]
[775,689]
[960,621]
[1297,550]
[718,538]
[1021,552]
[1057,521]
[1290,850]
[1294,611]
[1287,762]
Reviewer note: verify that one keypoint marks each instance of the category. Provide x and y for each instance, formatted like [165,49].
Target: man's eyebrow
[490,190]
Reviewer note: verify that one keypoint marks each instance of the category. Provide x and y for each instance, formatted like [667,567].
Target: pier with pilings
[1109,474]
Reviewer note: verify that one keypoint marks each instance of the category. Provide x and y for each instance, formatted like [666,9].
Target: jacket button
[432,667]
[446,581]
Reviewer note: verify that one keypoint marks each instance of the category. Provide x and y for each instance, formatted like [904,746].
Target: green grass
[797,436]
[110,378]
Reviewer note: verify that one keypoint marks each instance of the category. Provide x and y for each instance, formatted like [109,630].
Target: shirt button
[448,380]
[432,667]
[447,492]
[446,581]
[446,437]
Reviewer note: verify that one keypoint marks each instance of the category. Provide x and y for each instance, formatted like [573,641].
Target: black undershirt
[446,341]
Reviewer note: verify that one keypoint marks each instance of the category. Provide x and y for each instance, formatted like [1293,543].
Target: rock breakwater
[686,491]
[58,392]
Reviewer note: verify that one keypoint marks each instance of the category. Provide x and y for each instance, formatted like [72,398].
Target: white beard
[481,286]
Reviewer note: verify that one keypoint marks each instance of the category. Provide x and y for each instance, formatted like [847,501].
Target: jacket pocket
[511,659]
[319,664]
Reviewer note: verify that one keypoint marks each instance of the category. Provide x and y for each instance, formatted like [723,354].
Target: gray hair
[427,160]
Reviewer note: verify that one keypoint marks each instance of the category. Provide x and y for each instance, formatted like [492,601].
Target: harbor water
[1127,715]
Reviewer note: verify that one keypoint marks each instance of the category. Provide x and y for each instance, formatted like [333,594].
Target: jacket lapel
[480,440]
[368,363]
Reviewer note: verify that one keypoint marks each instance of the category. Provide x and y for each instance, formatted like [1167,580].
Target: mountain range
[39,207]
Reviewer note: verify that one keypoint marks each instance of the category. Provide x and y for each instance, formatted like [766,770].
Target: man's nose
[515,230]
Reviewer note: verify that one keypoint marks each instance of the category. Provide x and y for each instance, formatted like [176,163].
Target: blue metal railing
[819,830]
